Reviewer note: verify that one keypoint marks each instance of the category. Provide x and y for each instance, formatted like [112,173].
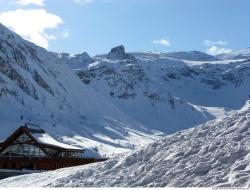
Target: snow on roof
[42,137]
[45,138]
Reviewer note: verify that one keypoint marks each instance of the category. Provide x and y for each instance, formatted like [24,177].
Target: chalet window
[71,155]
[23,138]
[51,152]
[23,150]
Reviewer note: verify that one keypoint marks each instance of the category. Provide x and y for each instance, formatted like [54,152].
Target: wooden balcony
[43,163]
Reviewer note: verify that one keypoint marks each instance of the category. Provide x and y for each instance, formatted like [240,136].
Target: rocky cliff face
[118,53]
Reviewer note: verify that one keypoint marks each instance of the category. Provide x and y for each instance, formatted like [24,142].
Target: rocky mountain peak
[118,53]
[83,57]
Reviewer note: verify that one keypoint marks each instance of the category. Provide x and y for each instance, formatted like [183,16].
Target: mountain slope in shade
[35,86]
[214,154]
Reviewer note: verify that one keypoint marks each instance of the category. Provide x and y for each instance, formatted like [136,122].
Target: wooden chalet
[31,148]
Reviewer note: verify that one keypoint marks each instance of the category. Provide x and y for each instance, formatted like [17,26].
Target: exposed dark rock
[42,83]
[119,54]
[126,95]
[153,96]
[214,83]
[84,76]
[7,69]
[5,92]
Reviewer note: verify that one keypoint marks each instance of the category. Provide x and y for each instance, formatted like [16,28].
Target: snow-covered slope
[164,90]
[240,54]
[124,99]
[192,56]
[36,86]
[76,61]
[213,154]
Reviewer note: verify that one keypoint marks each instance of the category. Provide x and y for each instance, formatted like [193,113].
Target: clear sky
[95,26]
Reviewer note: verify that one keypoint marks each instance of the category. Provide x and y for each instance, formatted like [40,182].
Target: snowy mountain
[122,100]
[76,61]
[117,102]
[36,86]
[192,56]
[240,54]
[214,154]
[165,91]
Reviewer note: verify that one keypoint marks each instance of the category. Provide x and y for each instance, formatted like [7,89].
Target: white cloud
[27,2]
[215,47]
[31,24]
[215,50]
[64,34]
[163,42]
[83,1]
[214,43]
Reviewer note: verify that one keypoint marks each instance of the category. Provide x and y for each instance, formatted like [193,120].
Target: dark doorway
[27,166]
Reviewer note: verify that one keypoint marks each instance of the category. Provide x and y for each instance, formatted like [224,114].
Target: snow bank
[213,154]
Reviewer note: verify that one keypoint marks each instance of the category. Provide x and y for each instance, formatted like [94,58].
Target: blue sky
[95,26]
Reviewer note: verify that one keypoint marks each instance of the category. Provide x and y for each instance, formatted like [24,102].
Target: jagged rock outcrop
[119,53]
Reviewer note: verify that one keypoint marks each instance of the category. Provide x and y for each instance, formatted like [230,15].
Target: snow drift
[214,154]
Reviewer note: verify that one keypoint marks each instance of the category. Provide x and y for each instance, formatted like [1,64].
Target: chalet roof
[34,128]
[33,131]
[41,137]
[45,138]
